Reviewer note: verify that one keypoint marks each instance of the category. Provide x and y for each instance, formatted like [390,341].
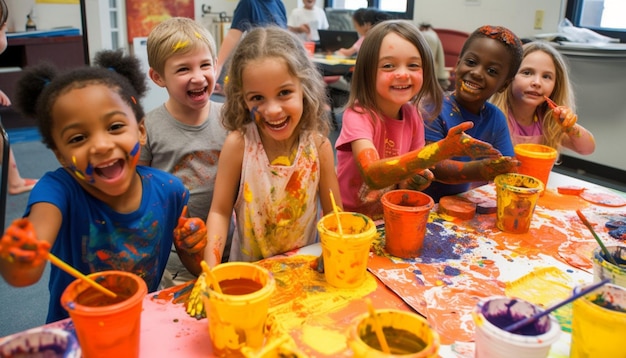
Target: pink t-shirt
[525,134]
[391,137]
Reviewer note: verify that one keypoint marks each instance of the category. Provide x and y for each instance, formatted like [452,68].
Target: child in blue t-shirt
[99,211]
[488,62]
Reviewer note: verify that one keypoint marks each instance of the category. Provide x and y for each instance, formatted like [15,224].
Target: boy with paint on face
[488,62]
[100,211]
[185,134]
[277,164]
[381,144]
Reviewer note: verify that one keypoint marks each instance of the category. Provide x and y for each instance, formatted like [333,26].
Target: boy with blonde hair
[185,134]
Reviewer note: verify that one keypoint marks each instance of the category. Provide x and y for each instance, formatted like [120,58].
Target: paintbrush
[550,102]
[528,320]
[77,274]
[211,279]
[378,329]
[595,236]
[336,210]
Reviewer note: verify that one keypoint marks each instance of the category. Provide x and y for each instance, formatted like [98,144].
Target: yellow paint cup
[599,323]
[407,334]
[237,315]
[516,197]
[345,256]
[603,269]
[536,160]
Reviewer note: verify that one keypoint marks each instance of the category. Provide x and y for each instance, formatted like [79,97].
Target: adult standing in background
[247,14]
[436,47]
[305,21]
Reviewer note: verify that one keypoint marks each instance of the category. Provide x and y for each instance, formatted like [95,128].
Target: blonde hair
[363,88]
[174,36]
[279,44]
[563,94]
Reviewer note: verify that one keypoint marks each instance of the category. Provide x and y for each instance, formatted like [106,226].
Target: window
[402,9]
[602,16]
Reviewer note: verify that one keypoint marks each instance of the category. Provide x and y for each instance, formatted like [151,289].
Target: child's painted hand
[19,244]
[458,143]
[419,181]
[195,305]
[190,234]
[565,117]
[491,168]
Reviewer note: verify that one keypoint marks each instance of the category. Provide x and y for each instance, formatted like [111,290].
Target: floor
[23,308]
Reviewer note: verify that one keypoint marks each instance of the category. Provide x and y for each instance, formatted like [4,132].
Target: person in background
[99,211]
[443,75]
[363,20]
[16,184]
[184,135]
[248,14]
[543,73]
[277,164]
[381,144]
[306,20]
[488,62]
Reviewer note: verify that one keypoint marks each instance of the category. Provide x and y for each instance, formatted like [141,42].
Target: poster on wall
[143,15]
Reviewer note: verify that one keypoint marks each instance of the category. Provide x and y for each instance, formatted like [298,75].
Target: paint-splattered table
[463,261]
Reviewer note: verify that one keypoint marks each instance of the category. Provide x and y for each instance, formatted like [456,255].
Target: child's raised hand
[19,244]
[190,234]
[491,168]
[565,117]
[458,143]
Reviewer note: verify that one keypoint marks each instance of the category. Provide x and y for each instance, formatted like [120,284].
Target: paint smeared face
[188,77]
[481,72]
[274,97]
[97,138]
[535,79]
[399,76]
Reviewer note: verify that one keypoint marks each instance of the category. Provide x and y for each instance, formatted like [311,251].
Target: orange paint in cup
[536,160]
[105,326]
[406,215]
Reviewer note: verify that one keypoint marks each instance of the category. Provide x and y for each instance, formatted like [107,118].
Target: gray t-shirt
[189,152]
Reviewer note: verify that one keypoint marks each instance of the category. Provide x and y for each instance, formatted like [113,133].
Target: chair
[452,41]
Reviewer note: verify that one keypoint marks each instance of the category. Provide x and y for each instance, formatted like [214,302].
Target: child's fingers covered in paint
[19,244]
[419,181]
[190,234]
[458,143]
[491,168]
[565,117]
[194,305]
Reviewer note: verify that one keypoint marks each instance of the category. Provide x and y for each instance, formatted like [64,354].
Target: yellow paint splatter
[180,45]
[428,151]
[247,193]
[326,341]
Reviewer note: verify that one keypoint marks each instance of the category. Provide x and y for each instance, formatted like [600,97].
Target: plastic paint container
[237,315]
[407,334]
[493,314]
[536,160]
[603,269]
[105,326]
[40,342]
[345,256]
[516,197]
[406,215]
[599,323]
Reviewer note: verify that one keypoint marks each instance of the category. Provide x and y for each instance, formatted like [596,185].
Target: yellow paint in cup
[407,334]
[345,256]
[237,315]
[516,198]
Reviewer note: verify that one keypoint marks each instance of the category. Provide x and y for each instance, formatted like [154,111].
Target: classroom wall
[463,15]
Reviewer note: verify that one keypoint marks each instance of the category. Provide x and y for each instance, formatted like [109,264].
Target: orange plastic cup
[536,160]
[105,326]
[406,215]
[310,48]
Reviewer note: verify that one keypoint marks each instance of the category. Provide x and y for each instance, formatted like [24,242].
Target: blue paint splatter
[451,271]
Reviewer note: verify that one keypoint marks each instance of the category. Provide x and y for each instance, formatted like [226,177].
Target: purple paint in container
[494,313]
